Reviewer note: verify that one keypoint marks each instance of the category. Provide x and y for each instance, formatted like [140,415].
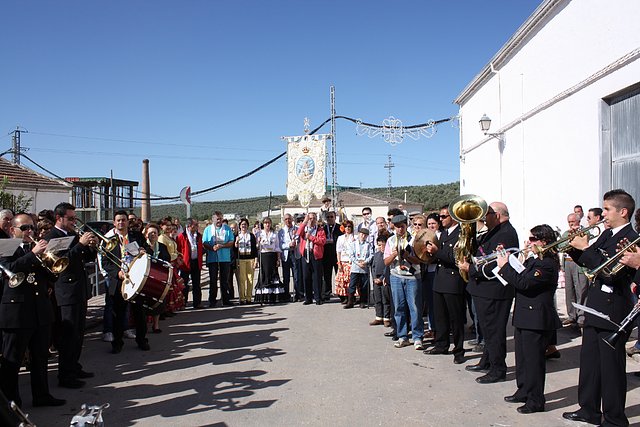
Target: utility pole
[333,161]
[15,139]
[389,165]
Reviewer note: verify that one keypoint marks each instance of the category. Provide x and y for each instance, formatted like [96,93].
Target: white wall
[551,160]
[43,199]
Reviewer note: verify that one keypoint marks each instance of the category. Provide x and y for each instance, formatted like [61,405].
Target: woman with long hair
[343,277]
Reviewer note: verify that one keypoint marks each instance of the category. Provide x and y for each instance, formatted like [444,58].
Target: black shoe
[48,401]
[491,378]
[228,304]
[477,368]
[515,399]
[144,346]
[212,304]
[436,350]
[307,302]
[319,302]
[575,416]
[69,383]
[554,355]
[459,359]
[390,334]
[116,348]
[84,374]
[524,409]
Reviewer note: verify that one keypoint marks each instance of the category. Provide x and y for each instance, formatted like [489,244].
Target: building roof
[21,177]
[354,198]
[530,26]
[94,181]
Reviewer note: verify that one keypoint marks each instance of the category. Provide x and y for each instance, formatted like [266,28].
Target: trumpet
[612,265]
[55,264]
[562,245]
[481,262]
[15,279]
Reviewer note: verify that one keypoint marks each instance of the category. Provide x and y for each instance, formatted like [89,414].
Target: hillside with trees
[431,197]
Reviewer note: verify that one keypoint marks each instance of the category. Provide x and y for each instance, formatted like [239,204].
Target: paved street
[299,365]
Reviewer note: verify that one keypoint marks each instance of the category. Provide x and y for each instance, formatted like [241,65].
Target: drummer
[115,262]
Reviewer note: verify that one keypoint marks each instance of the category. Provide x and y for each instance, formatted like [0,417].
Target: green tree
[19,203]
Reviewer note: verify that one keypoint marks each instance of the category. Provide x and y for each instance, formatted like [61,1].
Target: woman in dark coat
[535,317]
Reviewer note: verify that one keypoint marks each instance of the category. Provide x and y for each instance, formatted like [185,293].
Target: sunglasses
[26,227]
[533,239]
[444,216]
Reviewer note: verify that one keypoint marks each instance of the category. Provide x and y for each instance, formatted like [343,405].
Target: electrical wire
[224,184]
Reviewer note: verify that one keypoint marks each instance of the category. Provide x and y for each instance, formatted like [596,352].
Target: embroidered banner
[306,161]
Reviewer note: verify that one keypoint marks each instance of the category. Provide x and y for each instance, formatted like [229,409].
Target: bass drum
[149,281]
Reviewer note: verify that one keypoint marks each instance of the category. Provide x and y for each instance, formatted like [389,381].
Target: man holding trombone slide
[602,385]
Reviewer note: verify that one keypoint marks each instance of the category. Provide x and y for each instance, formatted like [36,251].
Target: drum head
[138,273]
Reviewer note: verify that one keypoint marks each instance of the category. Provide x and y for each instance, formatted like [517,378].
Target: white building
[564,97]
[44,192]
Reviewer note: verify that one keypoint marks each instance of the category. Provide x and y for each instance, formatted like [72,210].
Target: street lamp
[485,124]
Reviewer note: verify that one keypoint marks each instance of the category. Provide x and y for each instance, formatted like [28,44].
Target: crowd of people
[426,275]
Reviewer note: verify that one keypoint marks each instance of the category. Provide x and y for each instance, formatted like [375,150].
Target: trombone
[612,265]
[109,242]
[563,244]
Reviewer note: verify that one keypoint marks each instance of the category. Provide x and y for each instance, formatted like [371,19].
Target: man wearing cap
[361,255]
[405,283]
[368,223]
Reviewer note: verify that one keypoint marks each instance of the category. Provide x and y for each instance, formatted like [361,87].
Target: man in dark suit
[26,316]
[491,297]
[330,260]
[448,292]
[113,264]
[72,294]
[602,385]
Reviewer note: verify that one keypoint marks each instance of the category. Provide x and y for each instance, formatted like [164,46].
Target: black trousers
[530,347]
[493,315]
[298,279]
[382,301]
[193,274]
[138,313]
[602,385]
[14,344]
[449,314]
[288,272]
[73,319]
[219,269]
[329,268]
[312,277]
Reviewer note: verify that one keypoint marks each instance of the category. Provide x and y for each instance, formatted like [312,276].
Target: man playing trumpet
[71,290]
[602,385]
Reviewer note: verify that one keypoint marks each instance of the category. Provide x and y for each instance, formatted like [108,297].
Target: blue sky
[205,89]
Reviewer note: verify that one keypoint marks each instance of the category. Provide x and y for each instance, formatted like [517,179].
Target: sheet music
[8,246]
[59,244]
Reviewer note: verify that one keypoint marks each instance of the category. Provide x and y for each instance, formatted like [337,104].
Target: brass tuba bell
[466,209]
